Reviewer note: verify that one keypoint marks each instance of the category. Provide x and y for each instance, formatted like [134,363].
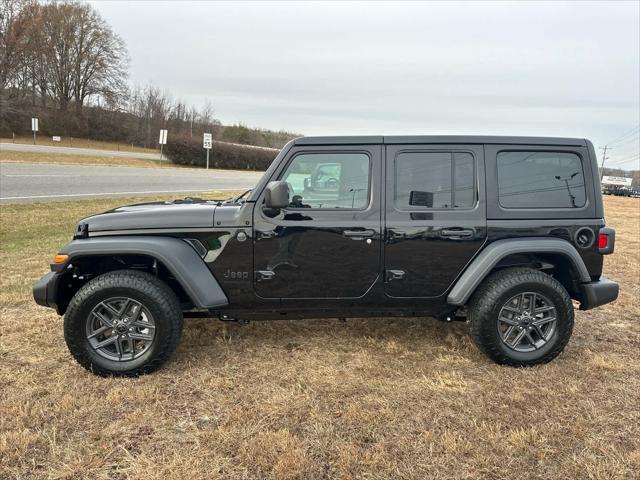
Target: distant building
[610,181]
[617,185]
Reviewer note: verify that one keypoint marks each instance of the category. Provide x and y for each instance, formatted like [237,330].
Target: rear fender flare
[486,260]
[178,256]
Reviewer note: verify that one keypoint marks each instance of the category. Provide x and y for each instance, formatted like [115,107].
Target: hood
[153,215]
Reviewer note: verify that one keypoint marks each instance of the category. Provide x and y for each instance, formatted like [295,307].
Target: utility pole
[604,157]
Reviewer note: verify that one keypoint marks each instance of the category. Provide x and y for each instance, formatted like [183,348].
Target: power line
[620,161]
[627,138]
[628,156]
[625,155]
[631,139]
[624,135]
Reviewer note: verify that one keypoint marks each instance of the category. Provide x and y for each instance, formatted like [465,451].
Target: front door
[435,216]
[327,242]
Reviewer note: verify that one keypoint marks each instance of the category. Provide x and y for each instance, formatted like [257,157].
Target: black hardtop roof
[438,139]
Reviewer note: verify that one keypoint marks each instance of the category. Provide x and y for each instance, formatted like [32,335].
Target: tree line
[63,63]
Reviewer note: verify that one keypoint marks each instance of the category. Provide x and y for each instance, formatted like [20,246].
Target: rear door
[435,216]
[327,242]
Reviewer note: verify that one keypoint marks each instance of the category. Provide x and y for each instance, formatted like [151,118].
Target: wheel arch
[172,258]
[560,254]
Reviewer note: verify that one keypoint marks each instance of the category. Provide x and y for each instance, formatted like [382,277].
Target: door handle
[266,234]
[392,275]
[452,233]
[264,275]
[358,234]
[396,234]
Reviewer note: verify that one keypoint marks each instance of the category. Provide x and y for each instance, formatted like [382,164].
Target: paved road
[18,147]
[28,182]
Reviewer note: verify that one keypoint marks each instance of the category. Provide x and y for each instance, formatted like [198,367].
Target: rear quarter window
[540,179]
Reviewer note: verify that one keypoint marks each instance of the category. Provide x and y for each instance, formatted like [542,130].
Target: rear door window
[434,180]
[530,179]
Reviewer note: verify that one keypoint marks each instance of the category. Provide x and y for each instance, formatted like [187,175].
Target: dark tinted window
[464,193]
[434,180]
[540,180]
[328,180]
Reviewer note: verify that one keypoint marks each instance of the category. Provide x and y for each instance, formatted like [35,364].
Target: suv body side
[502,232]
[373,258]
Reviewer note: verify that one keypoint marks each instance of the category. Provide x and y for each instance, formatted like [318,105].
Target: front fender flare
[176,255]
[480,267]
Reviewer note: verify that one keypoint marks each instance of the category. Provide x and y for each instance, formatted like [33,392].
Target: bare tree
[100,59]
[84,57]
[14,29]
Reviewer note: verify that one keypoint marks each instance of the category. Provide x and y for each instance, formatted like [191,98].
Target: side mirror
[276,195]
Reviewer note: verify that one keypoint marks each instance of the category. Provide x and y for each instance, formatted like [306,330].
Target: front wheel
[123,323]
[521,317]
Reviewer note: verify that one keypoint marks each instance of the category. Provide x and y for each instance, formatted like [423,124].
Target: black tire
[494,293]
[155,297]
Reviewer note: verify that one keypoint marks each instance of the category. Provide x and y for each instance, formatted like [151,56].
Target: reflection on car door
[435,216]
[327,243]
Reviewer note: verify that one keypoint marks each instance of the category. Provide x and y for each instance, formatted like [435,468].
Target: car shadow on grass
[212,338]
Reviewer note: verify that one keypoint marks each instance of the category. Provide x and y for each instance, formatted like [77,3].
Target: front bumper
[600,292]
[45,291]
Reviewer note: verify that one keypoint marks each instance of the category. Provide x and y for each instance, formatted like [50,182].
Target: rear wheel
[521,317]
[123,323]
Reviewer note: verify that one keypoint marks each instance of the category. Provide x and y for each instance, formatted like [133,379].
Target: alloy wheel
[120,329]
[527,321]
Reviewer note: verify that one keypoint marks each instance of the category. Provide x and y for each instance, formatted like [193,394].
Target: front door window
[329,180]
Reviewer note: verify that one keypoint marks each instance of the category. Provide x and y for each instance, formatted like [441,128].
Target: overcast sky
[559,69]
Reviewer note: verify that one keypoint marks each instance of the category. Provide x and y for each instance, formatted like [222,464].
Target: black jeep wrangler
[502,231]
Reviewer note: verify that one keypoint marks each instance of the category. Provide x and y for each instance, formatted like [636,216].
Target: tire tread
[486,297]
[141,282]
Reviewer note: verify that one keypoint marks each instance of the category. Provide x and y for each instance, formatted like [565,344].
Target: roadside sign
[207,140]
[162,141]
[57,138]
[34,127]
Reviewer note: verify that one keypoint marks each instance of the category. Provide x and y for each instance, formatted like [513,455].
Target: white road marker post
[207,141]
[34,127]
[162,141]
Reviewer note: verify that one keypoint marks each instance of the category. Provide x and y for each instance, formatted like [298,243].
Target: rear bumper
[598,293]
[45,291]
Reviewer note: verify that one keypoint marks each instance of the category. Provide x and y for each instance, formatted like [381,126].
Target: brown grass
[79,143]
[8,156]
[376,398]
[68,159]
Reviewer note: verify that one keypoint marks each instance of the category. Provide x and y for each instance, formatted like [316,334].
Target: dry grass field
[7,156]
[80,143]
[367,398]
[67,159]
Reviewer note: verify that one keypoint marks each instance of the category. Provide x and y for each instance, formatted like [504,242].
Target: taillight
[606,240]
[603,240]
